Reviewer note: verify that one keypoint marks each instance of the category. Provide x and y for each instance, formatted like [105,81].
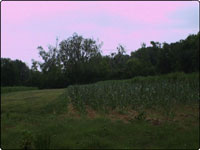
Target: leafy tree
[13,72]
[78,60]
[76,52]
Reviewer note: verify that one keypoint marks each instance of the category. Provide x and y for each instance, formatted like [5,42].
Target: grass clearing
[16,89]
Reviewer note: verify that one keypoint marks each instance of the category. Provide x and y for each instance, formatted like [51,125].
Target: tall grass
[165,90]
[16,89]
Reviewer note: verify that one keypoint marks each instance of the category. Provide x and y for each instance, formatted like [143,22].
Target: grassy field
[16,89]
[152,112]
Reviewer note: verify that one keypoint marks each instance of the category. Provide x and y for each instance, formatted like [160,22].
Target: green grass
[46,119]
[16,89]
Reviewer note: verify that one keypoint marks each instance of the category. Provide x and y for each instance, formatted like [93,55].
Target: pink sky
[27,25]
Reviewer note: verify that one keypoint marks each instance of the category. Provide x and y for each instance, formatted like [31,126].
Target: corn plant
[165,91]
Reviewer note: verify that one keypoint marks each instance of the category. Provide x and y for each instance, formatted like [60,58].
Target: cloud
[28,24]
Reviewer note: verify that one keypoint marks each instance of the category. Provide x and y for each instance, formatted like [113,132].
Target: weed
[141,116]
[42,141]
[27,140]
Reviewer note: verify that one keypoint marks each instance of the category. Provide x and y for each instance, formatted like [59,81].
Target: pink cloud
[29,24]
[23,11]
[142,11]
[145,12]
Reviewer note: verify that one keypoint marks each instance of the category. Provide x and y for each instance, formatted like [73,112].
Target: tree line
[79,60]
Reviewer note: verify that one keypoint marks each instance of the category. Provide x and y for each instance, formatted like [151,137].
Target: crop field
[144,112]
[138,93]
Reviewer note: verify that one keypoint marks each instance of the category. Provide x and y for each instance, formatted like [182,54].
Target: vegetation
[13,72]
[150,98]
[16,88]
[78,60]
[45,119]
[138,93]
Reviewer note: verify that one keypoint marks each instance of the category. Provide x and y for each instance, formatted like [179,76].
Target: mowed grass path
[43,119]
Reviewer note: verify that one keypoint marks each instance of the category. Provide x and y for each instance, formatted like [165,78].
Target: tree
[13,72]
[76,52]
[52,76]
[138,67]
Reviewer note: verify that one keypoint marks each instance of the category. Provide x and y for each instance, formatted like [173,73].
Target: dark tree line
[13,72]
[78,60]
